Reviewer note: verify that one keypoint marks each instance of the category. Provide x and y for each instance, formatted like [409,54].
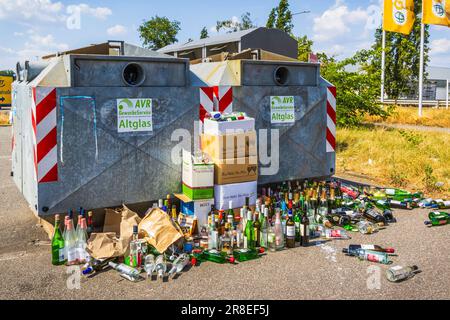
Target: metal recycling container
[290,97]
[96,130]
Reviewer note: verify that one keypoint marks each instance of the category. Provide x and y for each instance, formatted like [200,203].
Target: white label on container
[61,255]
[72,254]
[134,115]
[367,247]
[290,231]
[282,109]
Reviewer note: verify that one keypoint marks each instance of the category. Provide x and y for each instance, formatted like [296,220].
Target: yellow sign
[5,91]
[398,16]
[436,12]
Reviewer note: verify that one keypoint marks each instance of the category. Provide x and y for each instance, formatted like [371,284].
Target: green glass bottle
[438,219]
[297,221]
[58,257]
[247,254]
[216,256]
[249,232]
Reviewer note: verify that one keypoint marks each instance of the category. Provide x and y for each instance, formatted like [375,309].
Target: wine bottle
[58,257]
[290,231]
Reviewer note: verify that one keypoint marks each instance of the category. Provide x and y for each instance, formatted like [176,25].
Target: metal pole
[422,40]
[383,64]
[446,97]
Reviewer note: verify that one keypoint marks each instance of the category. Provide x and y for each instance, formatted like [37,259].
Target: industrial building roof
[223,38]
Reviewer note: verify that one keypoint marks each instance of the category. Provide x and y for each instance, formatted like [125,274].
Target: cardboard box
[212,127]
[228,146]
[236,170]
[197,174]
[199,208]
[198,193]
[236,192]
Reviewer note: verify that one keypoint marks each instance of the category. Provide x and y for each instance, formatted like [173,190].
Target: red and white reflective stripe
[217,98]
[331,119]
[223,99]
[46,157]
[206,101]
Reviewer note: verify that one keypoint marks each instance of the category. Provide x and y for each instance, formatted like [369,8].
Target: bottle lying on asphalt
[437,219]
[399,273]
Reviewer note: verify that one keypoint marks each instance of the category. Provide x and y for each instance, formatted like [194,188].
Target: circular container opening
[281,76]
[133,74]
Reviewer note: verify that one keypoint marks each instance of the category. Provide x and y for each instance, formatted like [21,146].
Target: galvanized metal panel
[106,71]
[130,167]
[261,73]
[302,149]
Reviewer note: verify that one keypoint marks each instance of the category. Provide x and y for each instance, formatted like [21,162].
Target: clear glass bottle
[399,273]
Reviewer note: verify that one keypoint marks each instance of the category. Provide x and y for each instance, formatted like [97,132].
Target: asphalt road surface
[317,272]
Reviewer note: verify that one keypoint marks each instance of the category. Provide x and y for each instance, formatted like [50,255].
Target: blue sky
[32,28]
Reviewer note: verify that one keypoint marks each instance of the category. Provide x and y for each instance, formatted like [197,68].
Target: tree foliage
[402,58]
[281,17]
[232,25]
[304,48]
[204,33]
[357,87]
[7,73]
[158,32]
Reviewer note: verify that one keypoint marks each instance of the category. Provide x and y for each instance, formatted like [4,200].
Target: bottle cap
[230,204]
[345,250]
[389,250]
[415,268]
[135,229]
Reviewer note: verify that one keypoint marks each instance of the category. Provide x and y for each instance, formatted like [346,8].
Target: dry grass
[409,115]
[4,118]
[406,159]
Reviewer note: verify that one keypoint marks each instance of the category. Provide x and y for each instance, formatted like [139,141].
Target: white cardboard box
[228,127]
[196,175]
[236,192]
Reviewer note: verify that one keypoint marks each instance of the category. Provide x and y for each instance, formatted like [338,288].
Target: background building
[272,40]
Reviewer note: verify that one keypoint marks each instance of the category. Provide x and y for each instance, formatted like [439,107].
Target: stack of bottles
[69,247]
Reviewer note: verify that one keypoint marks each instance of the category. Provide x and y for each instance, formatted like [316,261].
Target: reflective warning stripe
[217,98]
[45,134]
[331,119]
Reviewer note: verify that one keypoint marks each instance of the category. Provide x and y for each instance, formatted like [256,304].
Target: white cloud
[99,12]
[47,10]
[440,46]
[337,21]
[117,30]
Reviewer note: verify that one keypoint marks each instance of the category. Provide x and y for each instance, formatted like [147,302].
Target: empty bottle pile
[287,215]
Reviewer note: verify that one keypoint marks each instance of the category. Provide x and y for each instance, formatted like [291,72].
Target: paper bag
[104,245]
[116,236]
[158,229]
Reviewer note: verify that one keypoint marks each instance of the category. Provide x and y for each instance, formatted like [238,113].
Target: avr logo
[438,8]
[125,102]
[399,11]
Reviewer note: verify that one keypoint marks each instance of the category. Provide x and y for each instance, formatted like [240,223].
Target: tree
[204,33]
[304,48]
[272,18]
[357,91]
[402,58]
[233,25]
[7,73]
[158,32]
[281,17]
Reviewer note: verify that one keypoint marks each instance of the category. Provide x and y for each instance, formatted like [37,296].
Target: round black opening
[281,76]
[331,170]
[133,74]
